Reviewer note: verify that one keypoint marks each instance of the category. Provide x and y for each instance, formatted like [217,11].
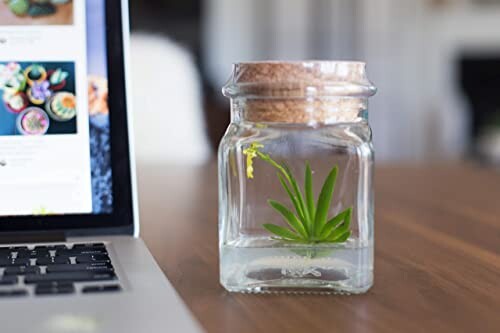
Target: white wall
[410,47]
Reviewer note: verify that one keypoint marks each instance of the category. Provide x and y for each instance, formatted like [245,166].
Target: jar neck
[307,111]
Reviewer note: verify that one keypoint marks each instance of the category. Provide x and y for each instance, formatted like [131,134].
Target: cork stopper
[299,92]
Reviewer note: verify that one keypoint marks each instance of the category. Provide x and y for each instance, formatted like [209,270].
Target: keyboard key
[82,251]
[53,284]
[33,254]
[54,288]
[45,261]
[101,289]
[8,280]
[52,260]
[91,250]
[21,270]
[5,262]
[69,276]
[51,247]
[13,293]
[92,258]
[19,262]
[101,245]
[94,267]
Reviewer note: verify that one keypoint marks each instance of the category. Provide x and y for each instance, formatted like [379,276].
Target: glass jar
[295,179]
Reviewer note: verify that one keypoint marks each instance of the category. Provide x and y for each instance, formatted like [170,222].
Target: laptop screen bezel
[121,220]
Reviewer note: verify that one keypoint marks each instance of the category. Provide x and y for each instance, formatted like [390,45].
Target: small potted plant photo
[61,106]
[35,74]
[57,79]
[39,92]
[34,8]
[33,121]
[12,79]
[15,102]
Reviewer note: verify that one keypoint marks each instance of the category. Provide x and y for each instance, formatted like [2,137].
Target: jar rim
[298,79]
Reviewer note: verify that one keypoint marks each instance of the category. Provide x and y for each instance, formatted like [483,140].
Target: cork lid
[299,79]
[309,92]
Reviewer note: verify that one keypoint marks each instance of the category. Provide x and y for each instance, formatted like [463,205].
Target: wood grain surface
[63,16]
[437,255]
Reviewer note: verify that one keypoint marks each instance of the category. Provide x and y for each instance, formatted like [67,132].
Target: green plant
[310,223]
[19,7]
[58,77]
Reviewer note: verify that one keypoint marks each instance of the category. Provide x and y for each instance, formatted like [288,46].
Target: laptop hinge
[28,237]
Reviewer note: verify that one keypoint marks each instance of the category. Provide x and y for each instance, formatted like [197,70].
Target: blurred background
[436,64]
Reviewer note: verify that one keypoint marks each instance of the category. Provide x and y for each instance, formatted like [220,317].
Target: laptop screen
[55,156]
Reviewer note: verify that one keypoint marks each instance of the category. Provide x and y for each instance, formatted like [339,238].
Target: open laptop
[70,256]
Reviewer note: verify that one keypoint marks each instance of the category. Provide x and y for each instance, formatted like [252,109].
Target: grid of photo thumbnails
[38,98]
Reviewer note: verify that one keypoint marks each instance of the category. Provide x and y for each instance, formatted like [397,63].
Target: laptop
[70,256]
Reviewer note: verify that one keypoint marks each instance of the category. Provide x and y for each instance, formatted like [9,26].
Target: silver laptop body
[147,302]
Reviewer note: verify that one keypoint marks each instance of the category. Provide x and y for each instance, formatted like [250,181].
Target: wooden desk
[437,258]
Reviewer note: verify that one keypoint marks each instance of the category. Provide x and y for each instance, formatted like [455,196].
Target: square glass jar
[295,179]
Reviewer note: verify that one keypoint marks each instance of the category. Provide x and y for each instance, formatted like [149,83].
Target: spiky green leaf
[308,189]
[292,197]
[343,218]
[290,217]
[284,233]
[298,193]
[324,200]
[339,238]
[343,228]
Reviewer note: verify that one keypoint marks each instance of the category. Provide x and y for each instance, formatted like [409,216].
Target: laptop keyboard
[54,270]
